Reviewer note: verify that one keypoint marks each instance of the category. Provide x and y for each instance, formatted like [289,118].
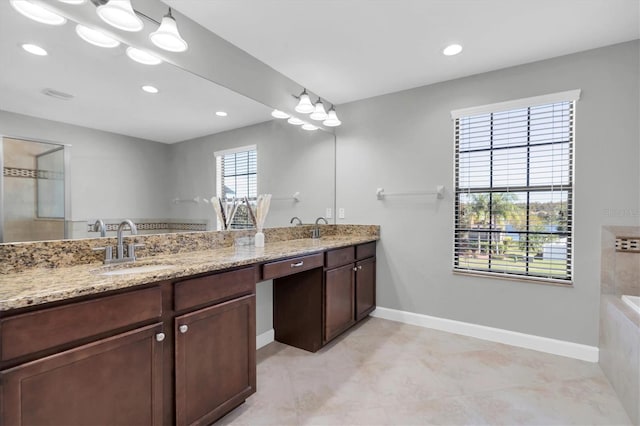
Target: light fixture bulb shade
[167,36]
[142,56]
[332,119]
[96,37]
[120,14]
[308,126]
[318,113]
[38,13]
[72,1]
[304,104]
[295,121]
[276,113]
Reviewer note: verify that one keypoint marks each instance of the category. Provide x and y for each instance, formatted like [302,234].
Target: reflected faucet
[293,219]
[131,247]
[316,230]
[100,226]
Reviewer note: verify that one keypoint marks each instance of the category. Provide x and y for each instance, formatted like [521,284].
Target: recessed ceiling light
[37,12]
[276,113]
[309,126]
[221,114]
[96,37]
[150,89]
[295,121]
[452,49]
[34,50]
[143,56]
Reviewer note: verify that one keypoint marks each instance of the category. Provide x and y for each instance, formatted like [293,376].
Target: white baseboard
[265,338]
[513,338]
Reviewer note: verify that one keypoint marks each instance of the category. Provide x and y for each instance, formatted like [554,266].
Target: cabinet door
[215,360]
[338,301]
[114,381]
[365,287]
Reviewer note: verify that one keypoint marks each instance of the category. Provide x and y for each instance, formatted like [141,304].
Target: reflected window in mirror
[237,177]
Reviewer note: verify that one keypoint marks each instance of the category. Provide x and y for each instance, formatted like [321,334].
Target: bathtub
[633,302]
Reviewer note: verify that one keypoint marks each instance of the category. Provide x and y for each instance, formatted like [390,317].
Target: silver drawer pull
[160,337]
[297,265]
[183,328]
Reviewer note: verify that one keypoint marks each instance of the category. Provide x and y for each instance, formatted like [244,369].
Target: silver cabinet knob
[359,266]
[160,337]
[355,269]
[183,328]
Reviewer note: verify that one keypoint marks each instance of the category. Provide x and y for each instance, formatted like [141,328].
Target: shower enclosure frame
[67,179]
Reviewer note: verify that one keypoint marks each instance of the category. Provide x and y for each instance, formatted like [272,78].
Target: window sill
[529,280]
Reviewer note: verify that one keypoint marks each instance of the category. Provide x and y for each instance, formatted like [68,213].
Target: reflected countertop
[43,285]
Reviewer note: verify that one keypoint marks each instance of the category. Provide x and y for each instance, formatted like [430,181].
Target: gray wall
[289,160]
[112,176]
[404,141]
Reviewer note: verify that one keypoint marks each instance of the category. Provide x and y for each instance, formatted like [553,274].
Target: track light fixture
[167,36]
[304,104]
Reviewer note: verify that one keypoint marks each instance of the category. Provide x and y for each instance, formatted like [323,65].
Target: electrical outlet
[328,213]
[341,213]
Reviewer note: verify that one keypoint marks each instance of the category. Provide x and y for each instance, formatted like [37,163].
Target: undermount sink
[135,270]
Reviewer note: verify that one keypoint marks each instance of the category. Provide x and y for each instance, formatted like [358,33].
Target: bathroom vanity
[175,345]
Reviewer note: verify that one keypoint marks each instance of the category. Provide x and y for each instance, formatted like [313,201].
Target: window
[237,177]
[514,188]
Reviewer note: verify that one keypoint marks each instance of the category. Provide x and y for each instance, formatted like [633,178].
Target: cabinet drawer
[365,250]
[48,328]
[213,288]
[283,268]
[340,257]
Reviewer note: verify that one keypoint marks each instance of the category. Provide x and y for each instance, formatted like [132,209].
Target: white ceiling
[353,49]
[106,85]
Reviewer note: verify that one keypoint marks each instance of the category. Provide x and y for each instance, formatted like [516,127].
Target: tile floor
[387,373]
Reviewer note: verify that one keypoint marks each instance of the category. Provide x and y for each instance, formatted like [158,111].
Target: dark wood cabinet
[113,381]
[313,307]
[365,287]
[215,366]
[338,301]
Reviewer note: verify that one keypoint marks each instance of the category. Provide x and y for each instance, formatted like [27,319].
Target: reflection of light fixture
[34,49]
[142,56]
[332,118]
[452,49]
[221,114]
[150,89]
[309,126]
[120,14]
[318,111]
[295,121]
[37,12]
[96,37]
[276,113]
[304,104]
[167,36]
[72,1]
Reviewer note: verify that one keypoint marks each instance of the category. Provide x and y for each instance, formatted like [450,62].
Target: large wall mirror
[82,141]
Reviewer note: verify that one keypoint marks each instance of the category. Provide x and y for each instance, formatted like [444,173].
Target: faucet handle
[108,252]
[131,250]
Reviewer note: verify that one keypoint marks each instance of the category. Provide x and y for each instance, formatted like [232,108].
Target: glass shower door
[32,191]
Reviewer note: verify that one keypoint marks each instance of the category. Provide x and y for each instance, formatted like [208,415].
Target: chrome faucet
[316,231]
[120,245]
[100,226]
[293,219]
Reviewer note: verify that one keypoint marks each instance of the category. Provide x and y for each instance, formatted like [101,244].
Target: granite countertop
[43,285]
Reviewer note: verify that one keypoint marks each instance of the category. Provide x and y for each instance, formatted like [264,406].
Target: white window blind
[514,191]
[237,176]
